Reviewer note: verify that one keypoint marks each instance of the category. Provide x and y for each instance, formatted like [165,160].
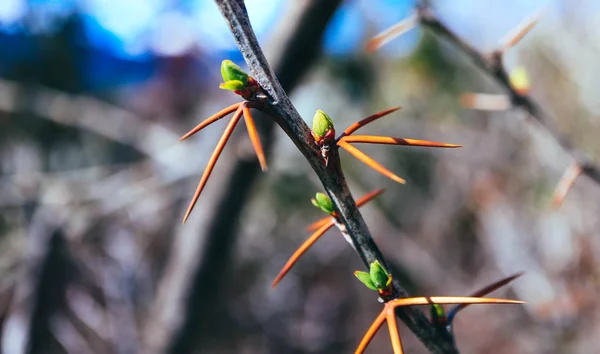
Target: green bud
[437,312]
[365,278]
[379,276]
[231,72]
[323,202]
[519,80]
[322,124]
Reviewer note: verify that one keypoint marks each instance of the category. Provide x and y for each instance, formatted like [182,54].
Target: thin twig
[331,176]
[492,64]
[197,267]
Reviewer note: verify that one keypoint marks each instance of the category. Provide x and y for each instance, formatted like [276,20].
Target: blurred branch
[190,287]
[67,334]
[492,64]
[41,290]
[89,114]
[331,175]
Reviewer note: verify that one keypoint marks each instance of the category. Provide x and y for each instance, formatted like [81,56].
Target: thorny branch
[331,176]
[492,64]
[298,38]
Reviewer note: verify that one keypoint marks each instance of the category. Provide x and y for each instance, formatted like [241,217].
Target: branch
[492,64]
[331,176]
[190,293]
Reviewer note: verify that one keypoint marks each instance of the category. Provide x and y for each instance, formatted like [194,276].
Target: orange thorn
[372,139]
[213,160]
[369,161]
[394,333]
[395,31]
[375,326]
[364,199]
[410,301]
[208,121]
[369,196]
[254,138]
[301,250]
[522,29]
[565,184]
[361,123]
[317,224]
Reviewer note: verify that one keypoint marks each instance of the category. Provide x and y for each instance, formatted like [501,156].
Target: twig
[331,176]
[492,64]
[190,288]
[565,184]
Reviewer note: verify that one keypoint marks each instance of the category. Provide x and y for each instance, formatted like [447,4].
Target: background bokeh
[94,95]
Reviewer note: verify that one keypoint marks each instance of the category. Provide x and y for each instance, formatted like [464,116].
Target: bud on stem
[323,132]
[377,279]
[323,202]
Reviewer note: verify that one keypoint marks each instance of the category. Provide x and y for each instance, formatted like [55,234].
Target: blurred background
[94,95]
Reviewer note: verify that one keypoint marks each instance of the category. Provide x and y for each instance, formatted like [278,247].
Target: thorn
[482,292]
[393,329]
[497,285]
[317,224]
[208,121]
[393,32]
[301,250]
[213,160]
[375,326]
[369,196]
[565,184]
[254,138]
[388,140]
[369,161]
[485,102]
[516,35]
[411,301]
[354,127]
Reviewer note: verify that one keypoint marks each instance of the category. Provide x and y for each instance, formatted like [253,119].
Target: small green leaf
[232,85]
[323,202]
[379,276]
[365,278]
[230,72]
[322,124]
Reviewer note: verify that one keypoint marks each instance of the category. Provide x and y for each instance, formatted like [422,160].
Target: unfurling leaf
[232,85]
[379,276]
[365,278]
[323,202]
[231,72]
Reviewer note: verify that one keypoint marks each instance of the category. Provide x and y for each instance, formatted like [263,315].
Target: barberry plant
[261,90]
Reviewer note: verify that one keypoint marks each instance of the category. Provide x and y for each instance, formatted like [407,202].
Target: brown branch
[191,291]
[331,176]
[492,64]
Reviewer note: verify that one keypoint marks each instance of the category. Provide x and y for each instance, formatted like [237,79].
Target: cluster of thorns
[323,132]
